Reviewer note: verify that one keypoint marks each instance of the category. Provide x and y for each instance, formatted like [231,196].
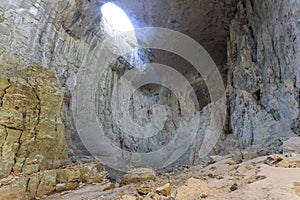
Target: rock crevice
[34,138]
[262,81]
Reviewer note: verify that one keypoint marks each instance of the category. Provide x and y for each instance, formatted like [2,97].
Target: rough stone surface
[164,190]
[41,184]
[32,136]
[32,33]
[138,175]
[194,188]
[263,83]
[144,190]
[209,182]
[292,145]
[206,21]
[58,34]
[276,161]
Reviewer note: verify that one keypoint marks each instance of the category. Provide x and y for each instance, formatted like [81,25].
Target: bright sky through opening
[116,17]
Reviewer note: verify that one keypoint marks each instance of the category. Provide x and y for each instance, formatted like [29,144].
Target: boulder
[276,161]
[292,145]
[138,175]
[144,190]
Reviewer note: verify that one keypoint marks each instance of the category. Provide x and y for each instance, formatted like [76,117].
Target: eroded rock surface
[60,35]
[41,184]
[263,94]
[292,145]
[32,133]
[138,175]
[263,54]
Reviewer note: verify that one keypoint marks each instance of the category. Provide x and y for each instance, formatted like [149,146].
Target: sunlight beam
[116,17]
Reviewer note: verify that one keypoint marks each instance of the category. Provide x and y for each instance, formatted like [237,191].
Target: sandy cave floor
[224,179]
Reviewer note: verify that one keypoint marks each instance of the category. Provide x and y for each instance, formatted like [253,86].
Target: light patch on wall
[116,17]
[116,21]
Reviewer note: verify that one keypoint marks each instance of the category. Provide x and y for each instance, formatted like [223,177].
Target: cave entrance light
[116,17]
[116,21]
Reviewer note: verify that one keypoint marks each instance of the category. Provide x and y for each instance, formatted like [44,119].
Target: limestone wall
[264,77]
[35,107]
[32,133]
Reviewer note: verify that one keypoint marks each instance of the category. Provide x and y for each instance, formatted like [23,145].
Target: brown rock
[41,184]
[138,175]
[32,186]
[164,190]
[7,181]
[66,186]
[153,195]
[219,177]
[276,161]
[72,174]
[93,172]
[47,184]
[193,189]
[30,121]
[16,190]
[144,190]
[110,187]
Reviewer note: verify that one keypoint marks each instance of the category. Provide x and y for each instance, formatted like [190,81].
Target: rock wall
[59,36]
[263,82]
[39,185]
[264,77]
[141,113]
[32,33]
[37,56]
[32,133]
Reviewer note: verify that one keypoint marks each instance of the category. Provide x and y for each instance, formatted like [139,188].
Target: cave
[125,96]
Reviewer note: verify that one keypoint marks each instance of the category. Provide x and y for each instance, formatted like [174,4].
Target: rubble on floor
[268,177]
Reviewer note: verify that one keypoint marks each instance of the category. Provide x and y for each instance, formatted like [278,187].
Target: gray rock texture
[59,34]
[292,145]
[263,82]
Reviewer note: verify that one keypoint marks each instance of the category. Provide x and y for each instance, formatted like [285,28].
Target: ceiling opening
[116,17]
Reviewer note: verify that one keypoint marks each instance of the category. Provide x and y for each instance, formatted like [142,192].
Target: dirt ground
[276,177]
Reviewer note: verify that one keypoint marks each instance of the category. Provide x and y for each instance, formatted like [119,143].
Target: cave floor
[268,177]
